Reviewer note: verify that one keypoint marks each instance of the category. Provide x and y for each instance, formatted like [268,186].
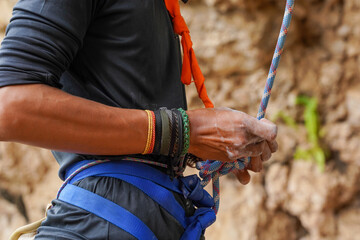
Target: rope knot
[211,169]
[180,26]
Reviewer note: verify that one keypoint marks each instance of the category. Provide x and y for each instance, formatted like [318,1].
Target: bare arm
[47,117]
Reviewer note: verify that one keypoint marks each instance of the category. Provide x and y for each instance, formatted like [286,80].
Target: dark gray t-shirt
[116,52]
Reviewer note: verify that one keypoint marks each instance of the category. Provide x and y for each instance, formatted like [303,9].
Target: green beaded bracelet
[186,129]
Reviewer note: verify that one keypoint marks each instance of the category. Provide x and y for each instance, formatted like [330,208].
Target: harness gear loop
[190,66]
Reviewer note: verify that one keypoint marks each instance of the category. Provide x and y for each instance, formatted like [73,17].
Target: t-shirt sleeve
[42,39]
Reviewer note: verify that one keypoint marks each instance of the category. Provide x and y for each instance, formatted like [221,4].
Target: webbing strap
[157,193]
[193,226]
[150,181]
[130,169]
[107,210]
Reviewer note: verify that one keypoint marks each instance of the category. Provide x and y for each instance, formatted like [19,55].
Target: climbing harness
[157,185]
[212,169]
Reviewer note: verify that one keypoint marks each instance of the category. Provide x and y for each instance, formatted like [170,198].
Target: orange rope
[190,65]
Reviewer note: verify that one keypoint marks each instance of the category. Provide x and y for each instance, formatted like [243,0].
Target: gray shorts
[65,221]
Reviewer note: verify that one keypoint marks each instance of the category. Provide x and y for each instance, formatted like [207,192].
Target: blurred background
[310,189]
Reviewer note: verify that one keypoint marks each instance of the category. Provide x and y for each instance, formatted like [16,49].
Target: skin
[226,135]
[47,117]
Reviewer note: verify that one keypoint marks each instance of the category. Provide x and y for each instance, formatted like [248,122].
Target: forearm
[47,117]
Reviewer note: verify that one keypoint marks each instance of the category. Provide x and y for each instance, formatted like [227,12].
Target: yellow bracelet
[149,135]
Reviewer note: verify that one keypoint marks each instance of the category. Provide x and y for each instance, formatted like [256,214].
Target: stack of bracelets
[169,135]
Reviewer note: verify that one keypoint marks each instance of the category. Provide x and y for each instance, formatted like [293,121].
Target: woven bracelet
[150,135]
[186,131]
[174,133]
[175,149]
[181,134]
[153,124]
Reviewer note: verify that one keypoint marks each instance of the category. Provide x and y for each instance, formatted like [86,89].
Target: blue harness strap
[136,169]
[157,193]
[107,210]
[157,186]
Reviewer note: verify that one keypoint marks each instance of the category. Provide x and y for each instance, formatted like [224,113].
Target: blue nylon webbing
[157,193]
[152,182]
[107,210]
[147,179]
[127,168]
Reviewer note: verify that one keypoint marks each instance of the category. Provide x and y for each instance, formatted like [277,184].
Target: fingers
[251,138]
[263,150]
[255,149]
[263,128]
[243,176]
[227,135]
[255,164]
[273,145]
[266,153]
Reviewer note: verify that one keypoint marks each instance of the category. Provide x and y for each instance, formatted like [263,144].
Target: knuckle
[242,142]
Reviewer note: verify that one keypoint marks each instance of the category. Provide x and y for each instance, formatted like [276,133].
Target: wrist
[192,128]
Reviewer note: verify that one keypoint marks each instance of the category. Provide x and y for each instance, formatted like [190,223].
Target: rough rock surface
[234,41]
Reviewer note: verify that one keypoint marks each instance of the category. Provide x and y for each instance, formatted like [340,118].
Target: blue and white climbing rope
[212,169]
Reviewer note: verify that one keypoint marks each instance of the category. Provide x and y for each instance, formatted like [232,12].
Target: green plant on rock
[288,120]
[311,117]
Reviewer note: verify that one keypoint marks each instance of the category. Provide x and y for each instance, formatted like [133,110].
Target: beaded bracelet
[186,131]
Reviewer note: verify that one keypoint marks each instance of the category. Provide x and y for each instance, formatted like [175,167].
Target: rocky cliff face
[234,41]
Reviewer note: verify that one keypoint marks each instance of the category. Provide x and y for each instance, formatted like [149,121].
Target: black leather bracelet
[165,135]
[158,132]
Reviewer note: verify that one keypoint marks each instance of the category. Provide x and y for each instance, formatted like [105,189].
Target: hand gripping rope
[212,169]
